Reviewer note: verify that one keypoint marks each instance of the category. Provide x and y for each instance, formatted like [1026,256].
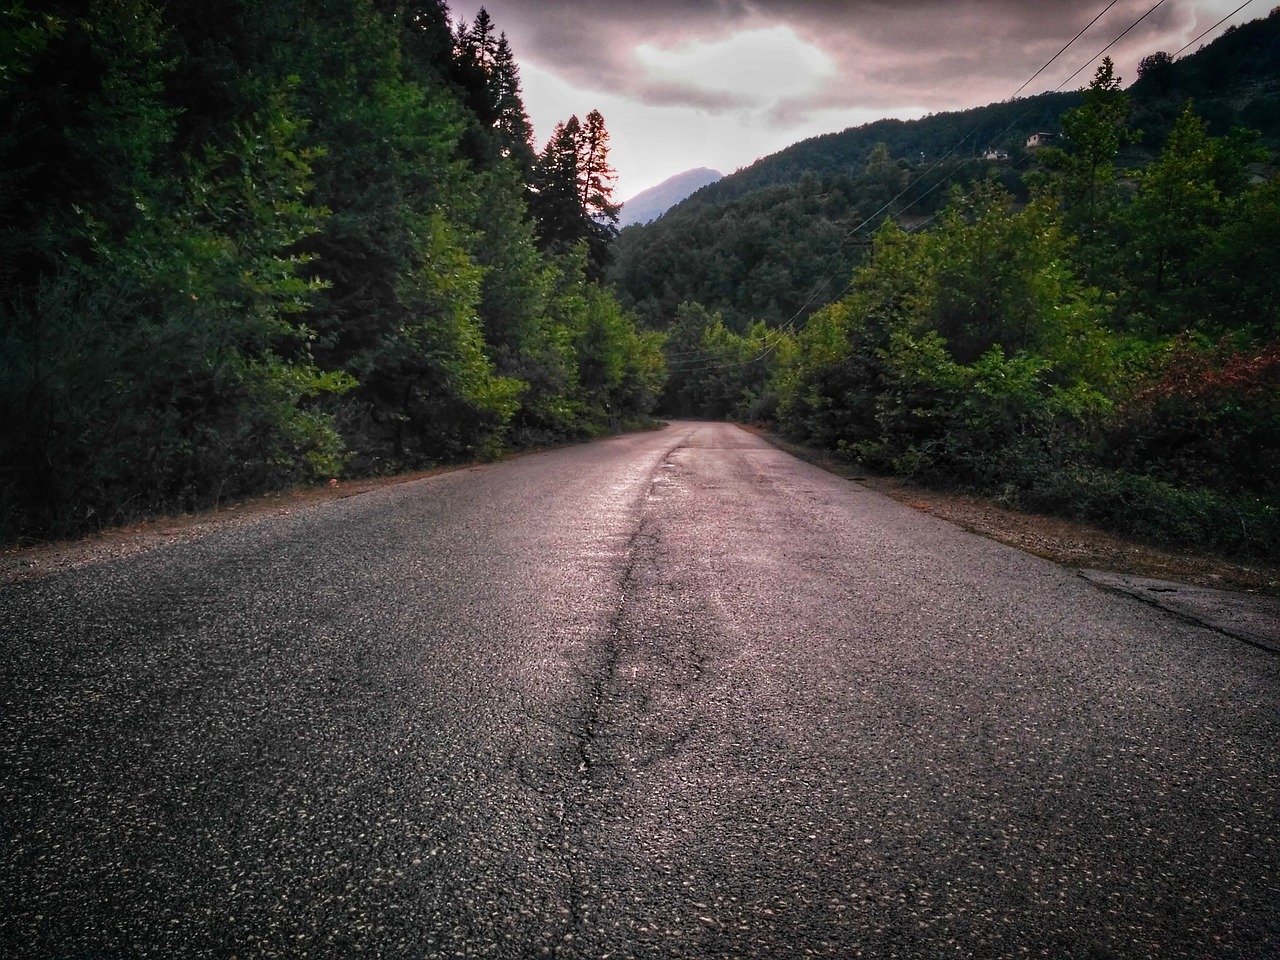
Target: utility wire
[1063,50]
[790,325]
[962,140]
[1159,4]
[696,360]
[1216,25]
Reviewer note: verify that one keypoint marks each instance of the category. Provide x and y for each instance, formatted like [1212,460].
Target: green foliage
[619,369]
[167,367]
[249,245]
[1232,80]
[1098,341]
[572,199]
[23,35]
[827,384]
[762,259]
[999,278]
[1158,511]
[1094,132]
[1245,292]
[1193,205]
[1206,415]
[917,144]
[720,374]
[973,356]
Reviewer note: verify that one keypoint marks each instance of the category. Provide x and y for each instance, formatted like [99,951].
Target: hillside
[1233,82]
[758,243]
[964,134]
[650,204]
[775,240]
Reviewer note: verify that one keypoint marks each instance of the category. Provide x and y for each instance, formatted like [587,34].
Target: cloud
[945,54]
[750,68]
[756,75]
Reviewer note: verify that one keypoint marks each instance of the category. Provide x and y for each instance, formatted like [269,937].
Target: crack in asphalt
[589,759]
[1163,598]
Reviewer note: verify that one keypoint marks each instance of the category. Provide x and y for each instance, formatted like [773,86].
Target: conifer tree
[573,191]
[515,132]
[595,190]
[554,201]
[425,39]
[482,41]
[1085,169]
[1094,133]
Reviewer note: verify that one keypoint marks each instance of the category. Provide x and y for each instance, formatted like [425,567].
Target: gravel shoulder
[1075,545]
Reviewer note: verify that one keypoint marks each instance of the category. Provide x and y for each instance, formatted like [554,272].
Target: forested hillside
[248,244]
[759,243]
[1091,329]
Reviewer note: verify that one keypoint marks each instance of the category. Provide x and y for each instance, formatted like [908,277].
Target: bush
[1208,416]
[1160,512]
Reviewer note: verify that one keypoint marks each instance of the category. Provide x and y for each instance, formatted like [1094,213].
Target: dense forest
[249,244]
[1090,328]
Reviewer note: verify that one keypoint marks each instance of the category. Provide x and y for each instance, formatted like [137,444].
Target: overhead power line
[1157,6]
[1216,25]
[1054,58]
[695,360]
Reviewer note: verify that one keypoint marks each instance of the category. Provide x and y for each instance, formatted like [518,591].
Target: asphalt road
[669,695]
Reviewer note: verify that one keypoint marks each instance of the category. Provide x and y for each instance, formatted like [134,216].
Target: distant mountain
[652,203]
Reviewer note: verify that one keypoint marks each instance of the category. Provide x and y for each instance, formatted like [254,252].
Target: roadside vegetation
[247,245]
[1095,340]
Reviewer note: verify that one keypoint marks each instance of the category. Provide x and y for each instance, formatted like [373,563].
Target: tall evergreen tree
[573,191]
[515,132]
[152,351]
[236,235]
[426,41]
[555,199]
[481,39]
[1094,132]
[595,190]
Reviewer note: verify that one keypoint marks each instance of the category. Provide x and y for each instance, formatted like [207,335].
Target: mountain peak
[654,202]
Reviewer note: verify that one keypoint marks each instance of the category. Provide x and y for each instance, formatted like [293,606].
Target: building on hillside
[993,154]
[1038,140]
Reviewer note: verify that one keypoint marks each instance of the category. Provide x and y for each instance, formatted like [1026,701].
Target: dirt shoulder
[20,562]
[1073,544]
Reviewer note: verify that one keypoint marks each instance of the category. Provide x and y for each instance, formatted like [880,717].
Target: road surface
[674,694]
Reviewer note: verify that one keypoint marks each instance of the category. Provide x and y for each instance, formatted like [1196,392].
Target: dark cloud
[931,54]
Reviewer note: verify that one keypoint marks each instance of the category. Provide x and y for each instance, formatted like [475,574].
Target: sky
[720,83]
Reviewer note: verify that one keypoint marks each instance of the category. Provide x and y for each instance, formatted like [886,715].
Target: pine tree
[1085,169]
[595,191]
[595,176]
[1094,132]
[482,42]
[554,201]
[485,74]
[515,132]
[573,191]
[425,39]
